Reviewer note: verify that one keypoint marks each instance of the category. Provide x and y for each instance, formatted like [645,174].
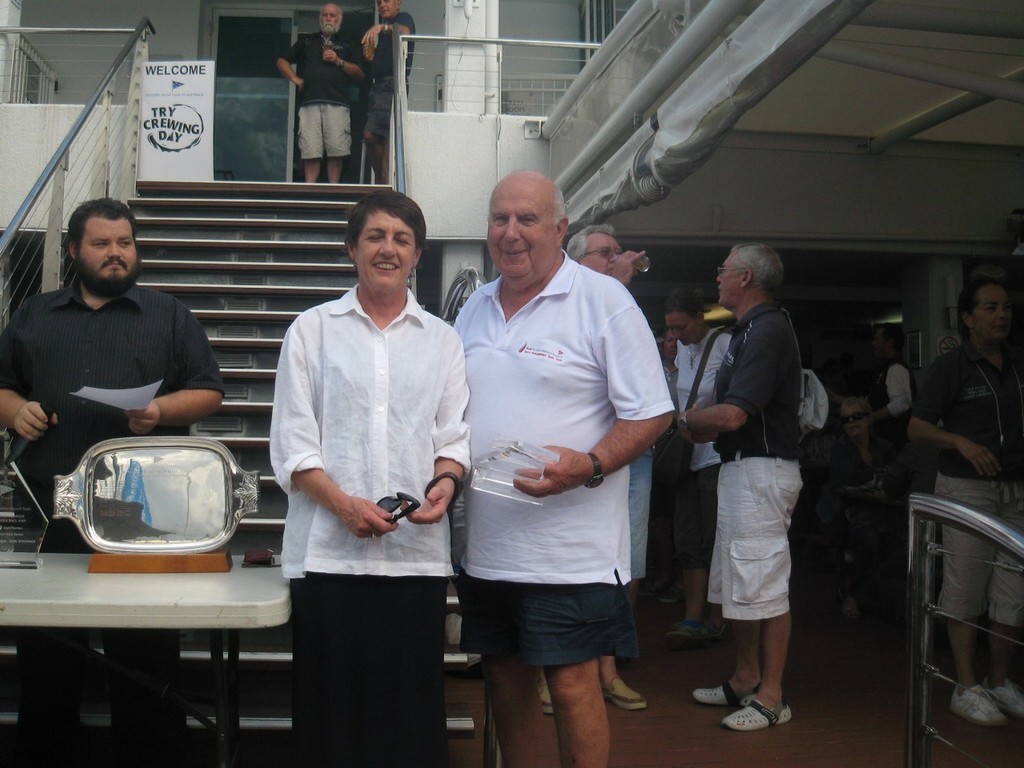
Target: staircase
[246,258]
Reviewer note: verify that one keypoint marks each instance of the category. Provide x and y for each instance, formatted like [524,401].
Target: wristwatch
[682,420]
[598,476]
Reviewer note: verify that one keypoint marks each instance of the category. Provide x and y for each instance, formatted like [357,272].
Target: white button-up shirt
[373,408]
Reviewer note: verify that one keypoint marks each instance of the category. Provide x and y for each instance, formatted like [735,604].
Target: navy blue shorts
[546,624]
[382,96]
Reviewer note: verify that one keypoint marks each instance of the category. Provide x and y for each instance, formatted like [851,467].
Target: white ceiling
[839,99]
[850,269]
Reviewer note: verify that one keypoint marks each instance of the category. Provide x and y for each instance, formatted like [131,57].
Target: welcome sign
[176,121]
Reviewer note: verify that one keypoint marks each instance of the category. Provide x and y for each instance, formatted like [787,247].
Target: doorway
[255,108]
[252,108]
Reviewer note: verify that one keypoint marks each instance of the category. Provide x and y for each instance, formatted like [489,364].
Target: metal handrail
[493,52]
[12,229]
[926,511]
[398,56]
[100,30]
[575,45]
[463,284]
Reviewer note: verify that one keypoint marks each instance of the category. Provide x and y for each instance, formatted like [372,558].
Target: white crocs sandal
[756,717]
[724,696]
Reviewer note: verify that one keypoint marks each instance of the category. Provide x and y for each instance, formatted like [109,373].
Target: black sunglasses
[852,417]
[392,503]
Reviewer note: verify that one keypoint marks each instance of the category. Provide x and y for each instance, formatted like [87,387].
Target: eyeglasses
[852,417]
[605,253]
[723,270]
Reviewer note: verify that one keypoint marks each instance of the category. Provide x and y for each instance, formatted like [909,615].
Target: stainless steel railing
[476,75]
[927,512]
[96,157]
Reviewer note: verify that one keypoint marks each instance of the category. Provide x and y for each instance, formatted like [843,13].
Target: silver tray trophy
[22,522]
[157,495]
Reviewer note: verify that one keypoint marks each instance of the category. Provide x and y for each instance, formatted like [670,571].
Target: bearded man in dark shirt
[103,331]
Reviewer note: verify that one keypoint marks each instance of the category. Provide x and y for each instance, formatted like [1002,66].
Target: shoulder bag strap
[700,369]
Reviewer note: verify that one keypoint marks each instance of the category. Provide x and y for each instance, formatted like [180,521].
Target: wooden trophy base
[218,561]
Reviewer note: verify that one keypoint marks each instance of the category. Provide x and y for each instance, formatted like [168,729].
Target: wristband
[451,476]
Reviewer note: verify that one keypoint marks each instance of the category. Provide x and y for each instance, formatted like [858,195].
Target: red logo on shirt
[558,356]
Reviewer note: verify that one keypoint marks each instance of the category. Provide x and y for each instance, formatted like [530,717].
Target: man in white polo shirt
[551,360]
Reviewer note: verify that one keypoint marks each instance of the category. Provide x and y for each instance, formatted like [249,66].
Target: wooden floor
[845,683]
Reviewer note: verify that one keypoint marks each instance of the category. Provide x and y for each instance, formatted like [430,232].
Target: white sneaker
[976,706]
[1008,697]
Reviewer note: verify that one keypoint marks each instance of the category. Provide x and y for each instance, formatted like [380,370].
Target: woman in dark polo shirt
[976,393]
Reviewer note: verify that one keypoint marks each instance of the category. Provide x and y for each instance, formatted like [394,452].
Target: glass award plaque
[496,471]
[22,522]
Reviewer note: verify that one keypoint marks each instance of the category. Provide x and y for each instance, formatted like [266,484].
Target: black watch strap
[598,476]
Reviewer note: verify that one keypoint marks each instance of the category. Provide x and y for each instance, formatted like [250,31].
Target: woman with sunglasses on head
[976,392]
[857,461]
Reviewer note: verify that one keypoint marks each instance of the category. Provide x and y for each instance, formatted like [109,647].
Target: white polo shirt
[559,372]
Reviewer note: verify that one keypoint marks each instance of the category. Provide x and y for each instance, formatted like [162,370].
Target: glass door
[252,112]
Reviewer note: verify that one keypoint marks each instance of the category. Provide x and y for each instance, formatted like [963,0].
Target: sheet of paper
[132,399]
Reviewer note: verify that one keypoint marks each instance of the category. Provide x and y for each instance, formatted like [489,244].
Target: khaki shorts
[324,129]
[971,584]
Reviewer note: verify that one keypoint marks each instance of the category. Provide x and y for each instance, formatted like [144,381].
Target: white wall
[458,165]
[28,139]
[176,22]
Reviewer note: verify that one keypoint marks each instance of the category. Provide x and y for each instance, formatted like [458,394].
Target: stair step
[236,222]
[208,204]
[246,289]
[246,343]
[255,316]
[247,189]
[265,208]
[248,373]
[233,244]
[264,267]
[245,442]
[244,407]
[274,524]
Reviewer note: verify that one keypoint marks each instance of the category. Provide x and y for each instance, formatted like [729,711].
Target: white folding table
[62,593]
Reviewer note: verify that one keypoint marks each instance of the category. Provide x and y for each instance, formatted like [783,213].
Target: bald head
[525,227]
[540,186]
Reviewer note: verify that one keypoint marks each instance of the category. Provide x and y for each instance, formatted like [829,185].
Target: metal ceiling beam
[938,74]
[703,29]
[930,19]
[933,117]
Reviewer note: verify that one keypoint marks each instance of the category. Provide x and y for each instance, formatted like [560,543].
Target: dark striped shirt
[761,375]
[56,344]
